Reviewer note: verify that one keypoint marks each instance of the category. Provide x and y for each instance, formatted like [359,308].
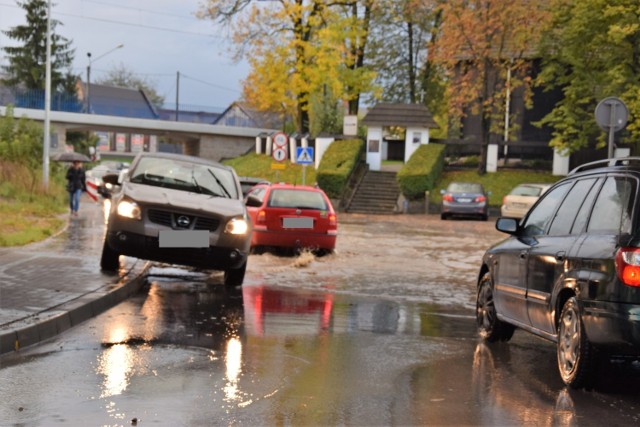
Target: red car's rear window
[300,199]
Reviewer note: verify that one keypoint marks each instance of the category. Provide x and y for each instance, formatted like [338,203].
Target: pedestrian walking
[76,184]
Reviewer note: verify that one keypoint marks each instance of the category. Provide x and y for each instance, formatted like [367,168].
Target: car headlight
[237,226]
[129,210]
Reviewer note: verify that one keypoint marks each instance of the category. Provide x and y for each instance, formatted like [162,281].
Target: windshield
[186,176]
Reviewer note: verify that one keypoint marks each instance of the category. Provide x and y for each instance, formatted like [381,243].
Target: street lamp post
[47,105]
[89,73]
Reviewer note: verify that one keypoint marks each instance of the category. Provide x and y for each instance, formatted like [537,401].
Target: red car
[295,217]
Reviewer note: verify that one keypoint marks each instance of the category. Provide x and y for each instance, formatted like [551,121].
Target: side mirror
[507,225]
[253,201]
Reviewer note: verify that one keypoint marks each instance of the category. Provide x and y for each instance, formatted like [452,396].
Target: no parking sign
[279,152]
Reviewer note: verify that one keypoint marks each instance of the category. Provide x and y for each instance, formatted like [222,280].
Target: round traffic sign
[611,113]
[280,139]
[279,154]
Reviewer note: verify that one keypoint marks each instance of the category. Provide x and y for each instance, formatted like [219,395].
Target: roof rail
[622,161]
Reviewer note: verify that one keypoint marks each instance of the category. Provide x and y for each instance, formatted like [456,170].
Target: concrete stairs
[377,193]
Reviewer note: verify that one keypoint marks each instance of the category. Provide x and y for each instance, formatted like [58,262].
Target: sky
[161,38]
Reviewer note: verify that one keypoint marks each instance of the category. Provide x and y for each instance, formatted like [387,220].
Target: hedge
[422,171]
[337,164]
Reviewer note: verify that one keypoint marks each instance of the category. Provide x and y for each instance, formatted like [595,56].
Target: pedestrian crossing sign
[304,155]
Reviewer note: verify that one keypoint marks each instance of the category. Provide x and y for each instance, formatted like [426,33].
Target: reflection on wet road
[306,341]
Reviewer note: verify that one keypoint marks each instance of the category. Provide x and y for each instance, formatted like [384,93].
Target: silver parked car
[179,210]
[517,203]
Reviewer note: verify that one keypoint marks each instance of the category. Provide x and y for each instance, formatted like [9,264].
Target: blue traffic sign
[304,155]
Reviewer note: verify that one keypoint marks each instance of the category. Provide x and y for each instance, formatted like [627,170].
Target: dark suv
[570,271]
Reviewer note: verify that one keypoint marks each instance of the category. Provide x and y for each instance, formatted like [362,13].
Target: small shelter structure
[414,118]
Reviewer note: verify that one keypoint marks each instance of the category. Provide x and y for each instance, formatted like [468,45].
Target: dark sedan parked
[570,272]
[464,199]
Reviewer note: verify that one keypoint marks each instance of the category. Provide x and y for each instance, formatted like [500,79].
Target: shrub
[337,164]
[422,171]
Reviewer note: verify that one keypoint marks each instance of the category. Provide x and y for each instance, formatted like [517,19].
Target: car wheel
[484,217]
[576,355]
[110,260]
[490,327]
[443,216]
[235,276]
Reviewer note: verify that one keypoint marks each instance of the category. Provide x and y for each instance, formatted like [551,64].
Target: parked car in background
[517,203]
[179,210]
[107,167]
[464,199]
[294,217]
[248,182]
[570,272]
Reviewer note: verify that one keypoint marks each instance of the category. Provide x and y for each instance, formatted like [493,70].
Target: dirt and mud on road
[406,257]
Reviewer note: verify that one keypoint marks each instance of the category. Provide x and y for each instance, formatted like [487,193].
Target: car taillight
[480,199]
[504,200]
[262,217]
[628,266]
[332,221]
[447,198]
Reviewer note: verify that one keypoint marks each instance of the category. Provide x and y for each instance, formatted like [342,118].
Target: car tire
[576,355]
[235,276]
[443,216]
[110,259]
[490,328]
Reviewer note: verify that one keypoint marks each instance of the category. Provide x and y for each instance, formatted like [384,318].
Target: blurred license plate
[464,200]
[183,239]
[297,222]
[520,205]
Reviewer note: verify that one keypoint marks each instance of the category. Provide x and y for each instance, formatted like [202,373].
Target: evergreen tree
[27,60]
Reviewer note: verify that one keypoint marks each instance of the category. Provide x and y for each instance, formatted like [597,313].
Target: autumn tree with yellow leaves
[298,50]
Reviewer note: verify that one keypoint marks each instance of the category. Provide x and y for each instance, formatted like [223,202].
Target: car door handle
[560,256]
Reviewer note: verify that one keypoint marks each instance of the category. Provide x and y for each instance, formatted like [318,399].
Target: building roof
[240,114]
[120,101]
[405,115]
[190,116]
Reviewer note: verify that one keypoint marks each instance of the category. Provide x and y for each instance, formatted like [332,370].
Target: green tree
[402,36]
[27,60]
[591,49]
[478,43]
[122,76]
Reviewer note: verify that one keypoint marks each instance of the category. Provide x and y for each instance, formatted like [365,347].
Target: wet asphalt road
[380,333]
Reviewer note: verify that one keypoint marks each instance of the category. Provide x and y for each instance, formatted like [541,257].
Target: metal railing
[34,99]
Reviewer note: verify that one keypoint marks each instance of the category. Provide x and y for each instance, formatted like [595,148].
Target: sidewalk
[51,286]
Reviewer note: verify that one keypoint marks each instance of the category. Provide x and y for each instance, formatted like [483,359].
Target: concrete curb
[52,322]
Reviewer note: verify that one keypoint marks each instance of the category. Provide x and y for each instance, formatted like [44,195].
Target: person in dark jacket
[76,184]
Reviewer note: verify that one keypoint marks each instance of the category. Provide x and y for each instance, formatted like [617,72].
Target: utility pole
[177,95]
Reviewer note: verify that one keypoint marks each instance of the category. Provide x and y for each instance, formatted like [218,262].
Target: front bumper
[146,247]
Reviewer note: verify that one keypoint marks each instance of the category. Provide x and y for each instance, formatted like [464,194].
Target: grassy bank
[28,212]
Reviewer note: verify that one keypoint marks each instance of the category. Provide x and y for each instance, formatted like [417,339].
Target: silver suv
[180,210]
